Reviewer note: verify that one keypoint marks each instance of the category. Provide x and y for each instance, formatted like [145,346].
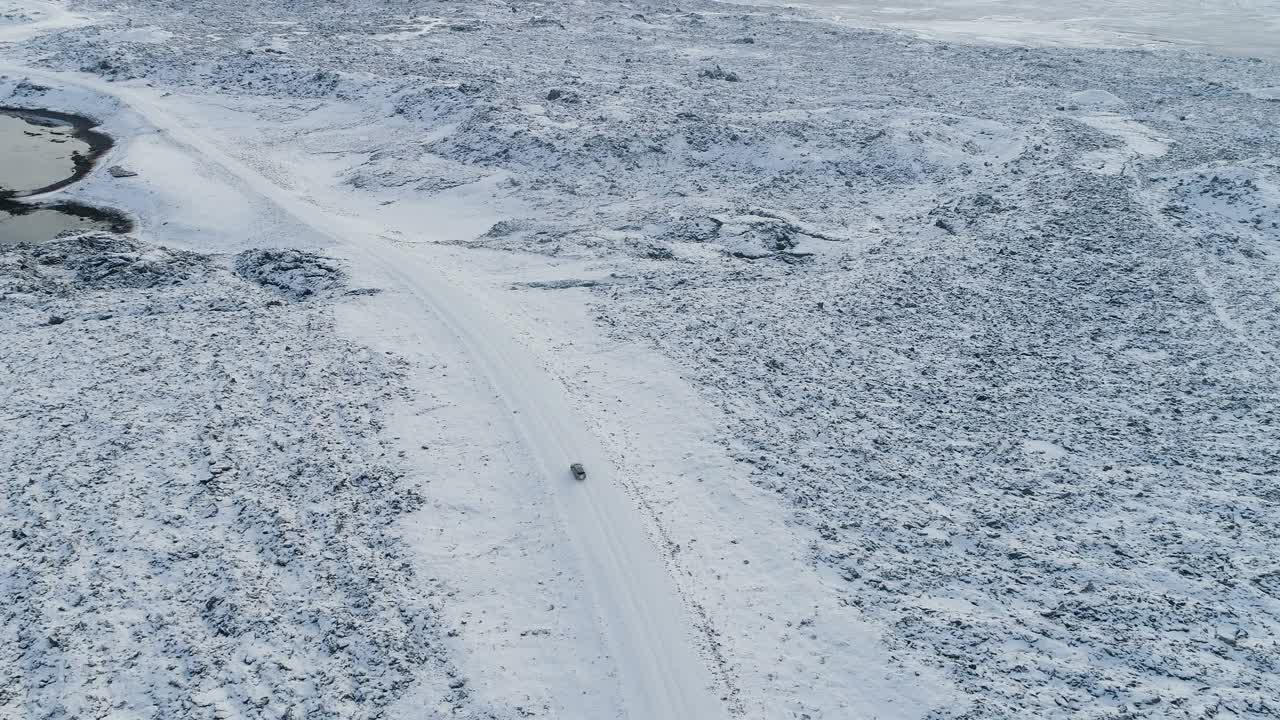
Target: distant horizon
[1235,28]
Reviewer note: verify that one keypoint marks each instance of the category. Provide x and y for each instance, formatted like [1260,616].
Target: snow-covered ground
[1237,27]
[197,500]
[913,378]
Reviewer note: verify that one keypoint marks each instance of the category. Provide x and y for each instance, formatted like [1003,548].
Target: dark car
[578,471]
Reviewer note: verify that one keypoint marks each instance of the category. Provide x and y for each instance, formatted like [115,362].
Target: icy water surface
[1235,27]
[34,224]
[37,154]
[41,152]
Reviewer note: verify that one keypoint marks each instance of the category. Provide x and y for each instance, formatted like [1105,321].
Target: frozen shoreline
[970,332]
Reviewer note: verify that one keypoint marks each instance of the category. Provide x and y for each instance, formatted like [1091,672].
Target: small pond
[24,223]
[43,151]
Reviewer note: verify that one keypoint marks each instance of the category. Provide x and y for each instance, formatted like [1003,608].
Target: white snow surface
[197,504]
[1243,27]
[913,379]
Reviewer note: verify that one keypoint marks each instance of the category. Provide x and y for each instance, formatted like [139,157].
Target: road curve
[646,626]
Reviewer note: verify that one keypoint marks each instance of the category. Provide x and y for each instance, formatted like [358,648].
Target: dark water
[37,155]
[41,152]
[21,223]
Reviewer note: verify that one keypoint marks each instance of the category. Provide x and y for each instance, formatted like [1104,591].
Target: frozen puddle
[42,152]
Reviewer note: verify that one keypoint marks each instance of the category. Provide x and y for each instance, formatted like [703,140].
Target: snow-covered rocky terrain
[196,503]
[977,352]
